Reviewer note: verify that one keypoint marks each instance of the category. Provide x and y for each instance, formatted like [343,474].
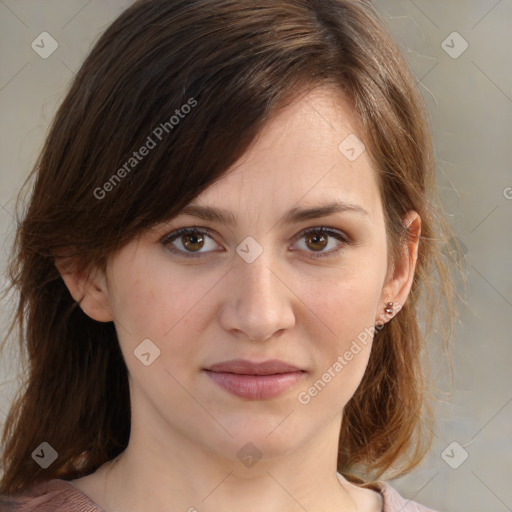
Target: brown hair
[235,64]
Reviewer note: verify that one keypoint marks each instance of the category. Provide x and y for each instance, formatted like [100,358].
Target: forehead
[310,153]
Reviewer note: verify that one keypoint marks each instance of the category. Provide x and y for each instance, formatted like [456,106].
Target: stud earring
[389,308]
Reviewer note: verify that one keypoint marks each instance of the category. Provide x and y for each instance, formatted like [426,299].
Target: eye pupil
[194,239]
[316,237]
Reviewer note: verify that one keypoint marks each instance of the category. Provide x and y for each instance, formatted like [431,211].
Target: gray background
[470,103]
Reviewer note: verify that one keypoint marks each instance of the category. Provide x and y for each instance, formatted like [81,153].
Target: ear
[88,287]
[398,285]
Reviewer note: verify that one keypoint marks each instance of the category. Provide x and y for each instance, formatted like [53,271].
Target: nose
[259,303]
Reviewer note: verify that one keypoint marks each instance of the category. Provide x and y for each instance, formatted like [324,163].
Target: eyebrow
[294,215]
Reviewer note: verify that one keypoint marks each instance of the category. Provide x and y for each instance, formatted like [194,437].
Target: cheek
[151,302]
[341,355]
[347,302]
[345,312]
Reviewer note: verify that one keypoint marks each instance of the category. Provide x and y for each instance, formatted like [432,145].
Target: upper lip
[245,367]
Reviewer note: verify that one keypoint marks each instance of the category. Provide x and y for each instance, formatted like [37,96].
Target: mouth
[253,380]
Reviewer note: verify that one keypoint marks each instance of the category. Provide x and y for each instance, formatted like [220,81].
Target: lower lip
[255,387]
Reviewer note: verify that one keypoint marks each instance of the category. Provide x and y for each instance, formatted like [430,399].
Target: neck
[189,478]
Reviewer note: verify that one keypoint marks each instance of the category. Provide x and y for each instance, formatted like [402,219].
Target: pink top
[62,496]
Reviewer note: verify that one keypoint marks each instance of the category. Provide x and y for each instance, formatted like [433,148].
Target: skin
[186,431]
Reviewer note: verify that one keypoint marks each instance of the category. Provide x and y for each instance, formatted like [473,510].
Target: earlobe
[390,310]
[399,285]
[88,288]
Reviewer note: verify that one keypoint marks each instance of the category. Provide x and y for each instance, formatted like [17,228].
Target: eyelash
[205,231]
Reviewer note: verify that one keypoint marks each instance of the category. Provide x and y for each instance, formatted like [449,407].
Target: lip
[255,380]
[246,367]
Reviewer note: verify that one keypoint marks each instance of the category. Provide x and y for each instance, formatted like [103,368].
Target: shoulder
[51,496]
[394,502]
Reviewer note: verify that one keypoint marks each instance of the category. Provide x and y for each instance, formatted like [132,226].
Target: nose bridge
[258,280]
[262,305]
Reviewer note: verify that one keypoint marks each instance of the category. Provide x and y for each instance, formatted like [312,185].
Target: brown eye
[189,242]
[317,239]
[193,241]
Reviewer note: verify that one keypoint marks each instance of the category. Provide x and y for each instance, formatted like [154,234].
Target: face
[263,286]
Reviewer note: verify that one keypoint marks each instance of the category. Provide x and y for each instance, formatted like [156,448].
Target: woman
[220,267]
